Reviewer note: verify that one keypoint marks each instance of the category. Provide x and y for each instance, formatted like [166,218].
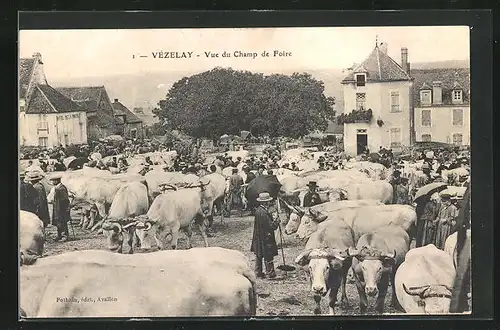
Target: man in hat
[250,175]
[312,197]
[401,192]
[235,183]
[263,240]
[28,195]
[446,220]
[42,208]
[145,169]
[59,198]
[426,220]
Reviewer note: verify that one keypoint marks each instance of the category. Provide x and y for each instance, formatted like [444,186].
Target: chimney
[383,47]
[116,100]
[38,56]
[437,92]
[404,60]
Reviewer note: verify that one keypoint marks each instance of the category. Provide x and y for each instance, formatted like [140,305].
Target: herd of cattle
[355,228]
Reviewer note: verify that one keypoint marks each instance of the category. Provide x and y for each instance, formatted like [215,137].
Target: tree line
[225,101]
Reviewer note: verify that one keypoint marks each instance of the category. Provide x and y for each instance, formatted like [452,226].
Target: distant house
[441,99]
[100,114]
[47,118]
[147,117]
[334,132]
[133,126]
[383,86]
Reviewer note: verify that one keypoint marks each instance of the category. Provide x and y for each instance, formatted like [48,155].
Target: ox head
[371,265]
[324,267]
[296,213]
[115,231]
[142,229]
[435,299]
[200,184]
[309,223]
[338,194]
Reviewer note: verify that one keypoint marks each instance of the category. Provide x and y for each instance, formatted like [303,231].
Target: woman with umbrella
[426,209]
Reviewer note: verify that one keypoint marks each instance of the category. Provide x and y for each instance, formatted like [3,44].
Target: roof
[450,79]
[88,96]
[46,99]
[334,128]
[26,66]
[120,109]
[379,67]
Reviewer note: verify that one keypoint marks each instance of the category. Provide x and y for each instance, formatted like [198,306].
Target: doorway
[361,141]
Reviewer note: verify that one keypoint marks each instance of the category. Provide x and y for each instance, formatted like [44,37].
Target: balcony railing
[355,116]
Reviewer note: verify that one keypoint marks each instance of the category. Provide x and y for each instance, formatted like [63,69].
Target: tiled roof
[379,67]
[448,77]
[334,128]
[87,96]
[120,109]
[26,66]
[46,99]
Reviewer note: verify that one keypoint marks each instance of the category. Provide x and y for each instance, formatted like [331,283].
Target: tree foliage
[225,101]
[355,116]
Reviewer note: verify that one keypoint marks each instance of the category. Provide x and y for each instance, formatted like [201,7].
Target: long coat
[42,205]
[28,197]
[263,240]
[444,229]
[61,209]
[428,218]
[311,199]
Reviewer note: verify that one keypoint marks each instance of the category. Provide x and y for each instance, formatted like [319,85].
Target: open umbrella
[430,189]
[263,183]
[77,163]
[68,160]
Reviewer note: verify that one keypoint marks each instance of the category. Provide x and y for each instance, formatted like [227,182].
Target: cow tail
[252,298]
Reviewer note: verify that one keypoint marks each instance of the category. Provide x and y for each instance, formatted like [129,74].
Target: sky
[91,53]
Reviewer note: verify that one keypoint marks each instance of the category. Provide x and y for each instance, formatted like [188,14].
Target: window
[457,96]
[395,102]
[426,118]
[42,122]
[457,138]
[426,138]
[360,101]
[43,142]
[458,117]
[360,80]
[66,139]
[395,137]
[425,97]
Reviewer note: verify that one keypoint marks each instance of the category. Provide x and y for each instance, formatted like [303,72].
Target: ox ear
[303,258]
[352,252]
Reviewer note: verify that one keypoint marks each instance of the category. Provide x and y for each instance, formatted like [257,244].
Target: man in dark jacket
[61,208]
[263,240]
[312,197]
[250,175]
[42,208]
[28,195]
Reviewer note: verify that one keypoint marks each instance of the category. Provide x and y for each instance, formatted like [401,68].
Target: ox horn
[335,253]
[391,255]
[303,258]
[133,223]
[416,290]
[172,186]
[148,225]
[113,225]
[352,252]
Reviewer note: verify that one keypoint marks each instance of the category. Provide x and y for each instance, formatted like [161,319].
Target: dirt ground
[288,295]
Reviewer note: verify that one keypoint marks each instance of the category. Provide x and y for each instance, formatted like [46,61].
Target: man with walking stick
[59,198]
[263,240]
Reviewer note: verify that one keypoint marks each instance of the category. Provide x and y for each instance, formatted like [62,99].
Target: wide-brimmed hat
[445,196]
[55,177]
[312,184]
[264,197]
[32,176]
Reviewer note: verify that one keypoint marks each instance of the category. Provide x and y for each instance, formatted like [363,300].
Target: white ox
[31,237]
[130,201]
[424,280]
[362,220]
[451,243]
[156,177]
[380,190]
[175,211]
[179,284]
[325,208]
[375,171]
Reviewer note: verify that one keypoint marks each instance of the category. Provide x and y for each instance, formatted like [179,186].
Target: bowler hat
[264,197]
[55,177]
[32,176]
[312,184]
[445,196]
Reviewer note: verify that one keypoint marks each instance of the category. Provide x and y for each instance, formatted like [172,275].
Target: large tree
[225,101]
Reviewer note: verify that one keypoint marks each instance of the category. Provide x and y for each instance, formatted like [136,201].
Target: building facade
[383,87]
[442,105]
[100,113]
[46,117]
[133,127]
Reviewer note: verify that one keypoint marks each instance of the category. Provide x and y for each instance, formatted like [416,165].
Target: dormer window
[360,79]
[457,96]
[425,97]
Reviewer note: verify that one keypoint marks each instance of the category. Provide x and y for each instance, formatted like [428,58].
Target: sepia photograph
[251,172]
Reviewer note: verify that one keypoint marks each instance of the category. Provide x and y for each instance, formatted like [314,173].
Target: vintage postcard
[244,172]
